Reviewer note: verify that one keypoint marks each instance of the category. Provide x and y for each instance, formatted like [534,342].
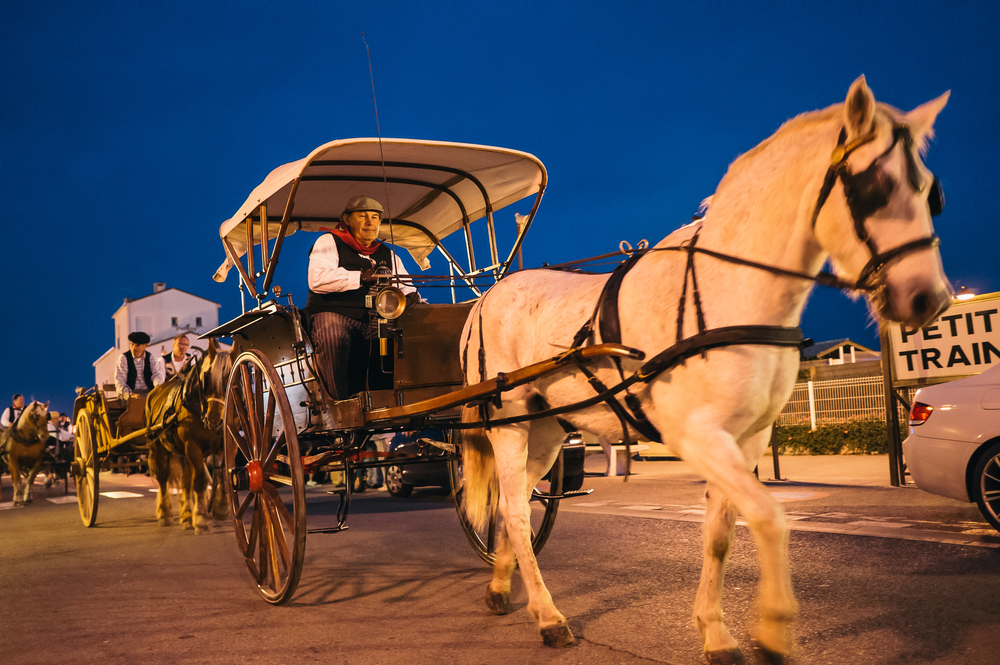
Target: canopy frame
[257,221]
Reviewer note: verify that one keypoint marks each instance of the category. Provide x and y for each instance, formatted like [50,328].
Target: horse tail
[479,471]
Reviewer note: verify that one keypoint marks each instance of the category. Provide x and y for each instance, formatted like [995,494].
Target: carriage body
[281,424]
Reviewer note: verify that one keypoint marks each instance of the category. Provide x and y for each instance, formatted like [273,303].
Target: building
[838,359]
[162,315]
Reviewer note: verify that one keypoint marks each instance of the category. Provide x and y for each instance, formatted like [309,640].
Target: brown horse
[184,417]
[24,445]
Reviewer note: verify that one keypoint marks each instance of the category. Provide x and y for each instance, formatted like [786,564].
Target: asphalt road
[401,585]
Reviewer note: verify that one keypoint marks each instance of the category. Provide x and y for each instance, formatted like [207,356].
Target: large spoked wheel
[86,477]
[483,541]
[264,477]
[986,485]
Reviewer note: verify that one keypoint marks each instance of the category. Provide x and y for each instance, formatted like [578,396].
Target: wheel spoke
[278,530]
[272,454]
[244,505]
[269,416]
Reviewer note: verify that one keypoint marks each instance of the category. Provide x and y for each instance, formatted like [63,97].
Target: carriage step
[572,494]
[330,529]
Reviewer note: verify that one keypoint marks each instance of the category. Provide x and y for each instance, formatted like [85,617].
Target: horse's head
[35,416]
[875,209]
[213,373]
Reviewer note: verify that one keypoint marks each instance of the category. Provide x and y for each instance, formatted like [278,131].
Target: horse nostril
[921,304]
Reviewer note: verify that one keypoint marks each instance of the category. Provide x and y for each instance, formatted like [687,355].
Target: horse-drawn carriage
[716,306]
[281,424]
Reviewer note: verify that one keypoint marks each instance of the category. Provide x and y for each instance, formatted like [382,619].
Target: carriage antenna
[385,181]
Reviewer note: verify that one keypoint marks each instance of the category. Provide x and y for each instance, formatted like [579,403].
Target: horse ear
[859,109]
[921,119]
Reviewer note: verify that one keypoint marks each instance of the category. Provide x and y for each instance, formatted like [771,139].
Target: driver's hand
[368,276]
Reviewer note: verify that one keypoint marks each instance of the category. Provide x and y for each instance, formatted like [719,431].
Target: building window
[197,321]
[173,321]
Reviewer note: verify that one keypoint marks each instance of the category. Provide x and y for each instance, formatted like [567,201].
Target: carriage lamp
[390,303]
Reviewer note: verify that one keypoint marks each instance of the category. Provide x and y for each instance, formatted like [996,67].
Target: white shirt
[326,275]
[10,416]
[174,365]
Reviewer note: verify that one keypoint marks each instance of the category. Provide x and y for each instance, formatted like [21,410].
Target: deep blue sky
[128,133]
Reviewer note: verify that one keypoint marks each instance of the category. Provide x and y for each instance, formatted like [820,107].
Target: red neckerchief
[344,233]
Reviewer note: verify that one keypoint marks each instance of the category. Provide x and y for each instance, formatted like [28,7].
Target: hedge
[856,437]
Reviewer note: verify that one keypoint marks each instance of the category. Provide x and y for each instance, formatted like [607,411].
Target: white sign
[964,340]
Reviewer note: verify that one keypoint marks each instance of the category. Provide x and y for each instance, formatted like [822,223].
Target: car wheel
[986,485]
[394,482]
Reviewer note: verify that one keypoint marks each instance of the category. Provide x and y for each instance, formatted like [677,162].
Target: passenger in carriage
[174,360]
[342,271]
[137,371]
[12,412]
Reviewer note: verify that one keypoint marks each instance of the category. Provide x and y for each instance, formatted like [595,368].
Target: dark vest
[147,371]
[349,303]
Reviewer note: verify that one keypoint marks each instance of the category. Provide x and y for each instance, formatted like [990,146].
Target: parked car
[954,445]
[400,479]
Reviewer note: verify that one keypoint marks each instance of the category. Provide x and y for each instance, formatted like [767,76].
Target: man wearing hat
[137,370]
[342,267]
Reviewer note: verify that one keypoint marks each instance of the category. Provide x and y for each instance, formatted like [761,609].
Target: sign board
[963,341]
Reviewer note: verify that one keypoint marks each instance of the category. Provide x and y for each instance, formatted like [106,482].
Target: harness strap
[710,339]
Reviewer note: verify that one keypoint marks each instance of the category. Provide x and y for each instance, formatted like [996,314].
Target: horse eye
[935,198]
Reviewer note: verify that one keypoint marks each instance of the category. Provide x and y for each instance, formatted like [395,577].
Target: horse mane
[218,374]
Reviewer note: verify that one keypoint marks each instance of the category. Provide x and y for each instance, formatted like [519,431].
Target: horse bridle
[868,191]
[196,392]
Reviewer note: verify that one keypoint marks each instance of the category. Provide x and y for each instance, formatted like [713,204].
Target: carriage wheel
[263,477]
[484,541]
[86,477]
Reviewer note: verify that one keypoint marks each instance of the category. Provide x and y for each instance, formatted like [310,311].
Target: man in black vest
[12,412]
[137,370]
[342,266]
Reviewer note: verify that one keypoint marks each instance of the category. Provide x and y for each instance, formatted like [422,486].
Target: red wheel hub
[255,476]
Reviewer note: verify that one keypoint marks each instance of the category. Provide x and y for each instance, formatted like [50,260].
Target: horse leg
[199,485]
[159,467]
[511,448]
[186,476]
[16,480]
[498,592]
[717,533]
[32,473]
[717,457]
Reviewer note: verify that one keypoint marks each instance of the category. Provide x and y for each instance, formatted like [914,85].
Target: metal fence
[838,400]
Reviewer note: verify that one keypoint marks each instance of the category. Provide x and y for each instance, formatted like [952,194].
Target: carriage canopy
[430,189]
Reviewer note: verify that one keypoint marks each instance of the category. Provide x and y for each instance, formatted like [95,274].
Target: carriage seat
[111,400]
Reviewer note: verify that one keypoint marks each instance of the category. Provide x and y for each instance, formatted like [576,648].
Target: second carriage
[281,424]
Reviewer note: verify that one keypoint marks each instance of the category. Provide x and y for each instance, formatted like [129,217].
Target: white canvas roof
[431,184]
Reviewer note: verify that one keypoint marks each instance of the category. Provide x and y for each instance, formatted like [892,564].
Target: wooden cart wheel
[263,477]
[542,521]
[86,476]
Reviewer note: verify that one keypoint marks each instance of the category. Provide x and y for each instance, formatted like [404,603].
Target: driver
[342,270]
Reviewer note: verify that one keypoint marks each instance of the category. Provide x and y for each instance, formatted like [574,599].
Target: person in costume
[342,271]
[137,371]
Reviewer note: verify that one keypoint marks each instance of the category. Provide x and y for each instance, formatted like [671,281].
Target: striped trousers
[343,349]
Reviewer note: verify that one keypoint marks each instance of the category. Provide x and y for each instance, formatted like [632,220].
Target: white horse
[781,205]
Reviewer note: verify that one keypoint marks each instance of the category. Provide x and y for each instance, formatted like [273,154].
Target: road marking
[70,498]
[960,533]
[785,497]
[122,495]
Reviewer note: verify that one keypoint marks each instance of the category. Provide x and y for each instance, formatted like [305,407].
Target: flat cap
[363,203]
[138,337]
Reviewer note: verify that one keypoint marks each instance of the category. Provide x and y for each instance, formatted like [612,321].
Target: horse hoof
[725,657]
[164,522]
[499,603]
[558,636]
[769,657]
[187,525]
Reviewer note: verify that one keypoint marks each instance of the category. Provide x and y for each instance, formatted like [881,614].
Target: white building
[162,315]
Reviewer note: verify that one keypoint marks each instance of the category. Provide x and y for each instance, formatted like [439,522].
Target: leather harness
[866,192]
